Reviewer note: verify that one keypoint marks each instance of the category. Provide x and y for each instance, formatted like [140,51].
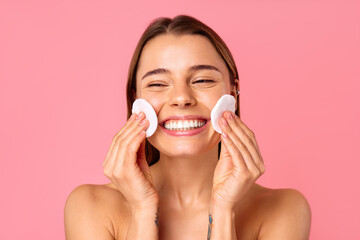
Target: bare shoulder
[91,210]
[287,215]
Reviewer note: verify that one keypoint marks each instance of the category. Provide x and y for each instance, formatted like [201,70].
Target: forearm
[143,225]
[223,224]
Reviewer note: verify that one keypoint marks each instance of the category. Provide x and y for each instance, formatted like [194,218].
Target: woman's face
[181,93]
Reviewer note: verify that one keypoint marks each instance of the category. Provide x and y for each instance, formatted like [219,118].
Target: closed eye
[203,81]
[155,85]
[197,81]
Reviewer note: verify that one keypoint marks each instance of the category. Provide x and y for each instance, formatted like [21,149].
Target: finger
[251,135]
[122,144]
[127,124]
[248,132]
[246,156]
[110,161]
[224,152]
[127,157]
[141,160]
[236,156]
[111,149]
[130,126]
[246,140]
[133,124]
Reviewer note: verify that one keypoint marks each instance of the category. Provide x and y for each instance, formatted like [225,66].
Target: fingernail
[224,122]
[139,115]
[225,135]
[142,122]
[228,115]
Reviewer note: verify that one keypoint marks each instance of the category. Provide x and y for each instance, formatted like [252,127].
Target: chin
[184,151]
[185,148]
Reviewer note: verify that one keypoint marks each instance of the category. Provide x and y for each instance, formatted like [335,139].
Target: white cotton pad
[225,103]
[144,106]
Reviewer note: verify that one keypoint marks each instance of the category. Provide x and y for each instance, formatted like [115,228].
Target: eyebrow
[191,69]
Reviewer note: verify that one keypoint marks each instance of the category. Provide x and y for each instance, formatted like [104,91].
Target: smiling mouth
[183,125]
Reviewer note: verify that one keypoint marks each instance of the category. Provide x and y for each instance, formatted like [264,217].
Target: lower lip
[189,132]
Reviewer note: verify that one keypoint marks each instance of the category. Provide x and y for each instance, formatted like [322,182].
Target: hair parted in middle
[178,26]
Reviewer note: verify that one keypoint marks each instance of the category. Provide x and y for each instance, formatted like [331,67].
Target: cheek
[157,102]
[156,99]
[209,100]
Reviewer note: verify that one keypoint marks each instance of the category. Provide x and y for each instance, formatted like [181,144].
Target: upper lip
[184,117]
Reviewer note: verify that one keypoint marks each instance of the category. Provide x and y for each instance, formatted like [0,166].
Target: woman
[184,183]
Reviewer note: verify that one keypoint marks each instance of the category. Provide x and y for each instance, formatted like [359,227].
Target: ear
[235,88]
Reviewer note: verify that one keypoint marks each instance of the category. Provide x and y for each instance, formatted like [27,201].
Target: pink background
[63,69]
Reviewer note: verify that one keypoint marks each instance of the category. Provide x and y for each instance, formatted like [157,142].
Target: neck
[186,182]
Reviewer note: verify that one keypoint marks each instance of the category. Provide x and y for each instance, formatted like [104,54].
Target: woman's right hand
[125,164]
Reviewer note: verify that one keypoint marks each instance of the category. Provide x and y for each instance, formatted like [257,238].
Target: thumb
[141,160]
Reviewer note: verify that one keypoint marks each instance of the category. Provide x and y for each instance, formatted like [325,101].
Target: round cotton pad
[144,106]
[225,103]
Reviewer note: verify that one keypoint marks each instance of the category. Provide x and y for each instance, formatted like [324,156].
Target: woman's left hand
[240,163]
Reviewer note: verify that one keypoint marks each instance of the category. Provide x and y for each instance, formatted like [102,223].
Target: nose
[181,97]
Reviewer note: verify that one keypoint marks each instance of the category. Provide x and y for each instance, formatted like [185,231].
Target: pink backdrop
[63,69]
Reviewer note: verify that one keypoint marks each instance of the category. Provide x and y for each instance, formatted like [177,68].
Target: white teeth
[184,125]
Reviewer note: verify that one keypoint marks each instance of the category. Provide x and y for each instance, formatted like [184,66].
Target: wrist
[144,207]
[221,210]
[149,210]
[143,224]
[220,207]
[222,213]
[146,215]
[221,223]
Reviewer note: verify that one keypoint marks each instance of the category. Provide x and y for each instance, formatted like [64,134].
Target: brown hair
[179,25]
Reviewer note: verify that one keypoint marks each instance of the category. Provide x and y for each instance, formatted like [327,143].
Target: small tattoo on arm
[157,218]
[210,227]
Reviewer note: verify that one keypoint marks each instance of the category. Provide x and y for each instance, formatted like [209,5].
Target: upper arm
[289,219]
[82,217]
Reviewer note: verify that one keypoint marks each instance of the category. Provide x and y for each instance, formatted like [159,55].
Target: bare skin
[257,211]
[182,179]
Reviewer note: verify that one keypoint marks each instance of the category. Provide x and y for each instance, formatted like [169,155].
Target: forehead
[177,53]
